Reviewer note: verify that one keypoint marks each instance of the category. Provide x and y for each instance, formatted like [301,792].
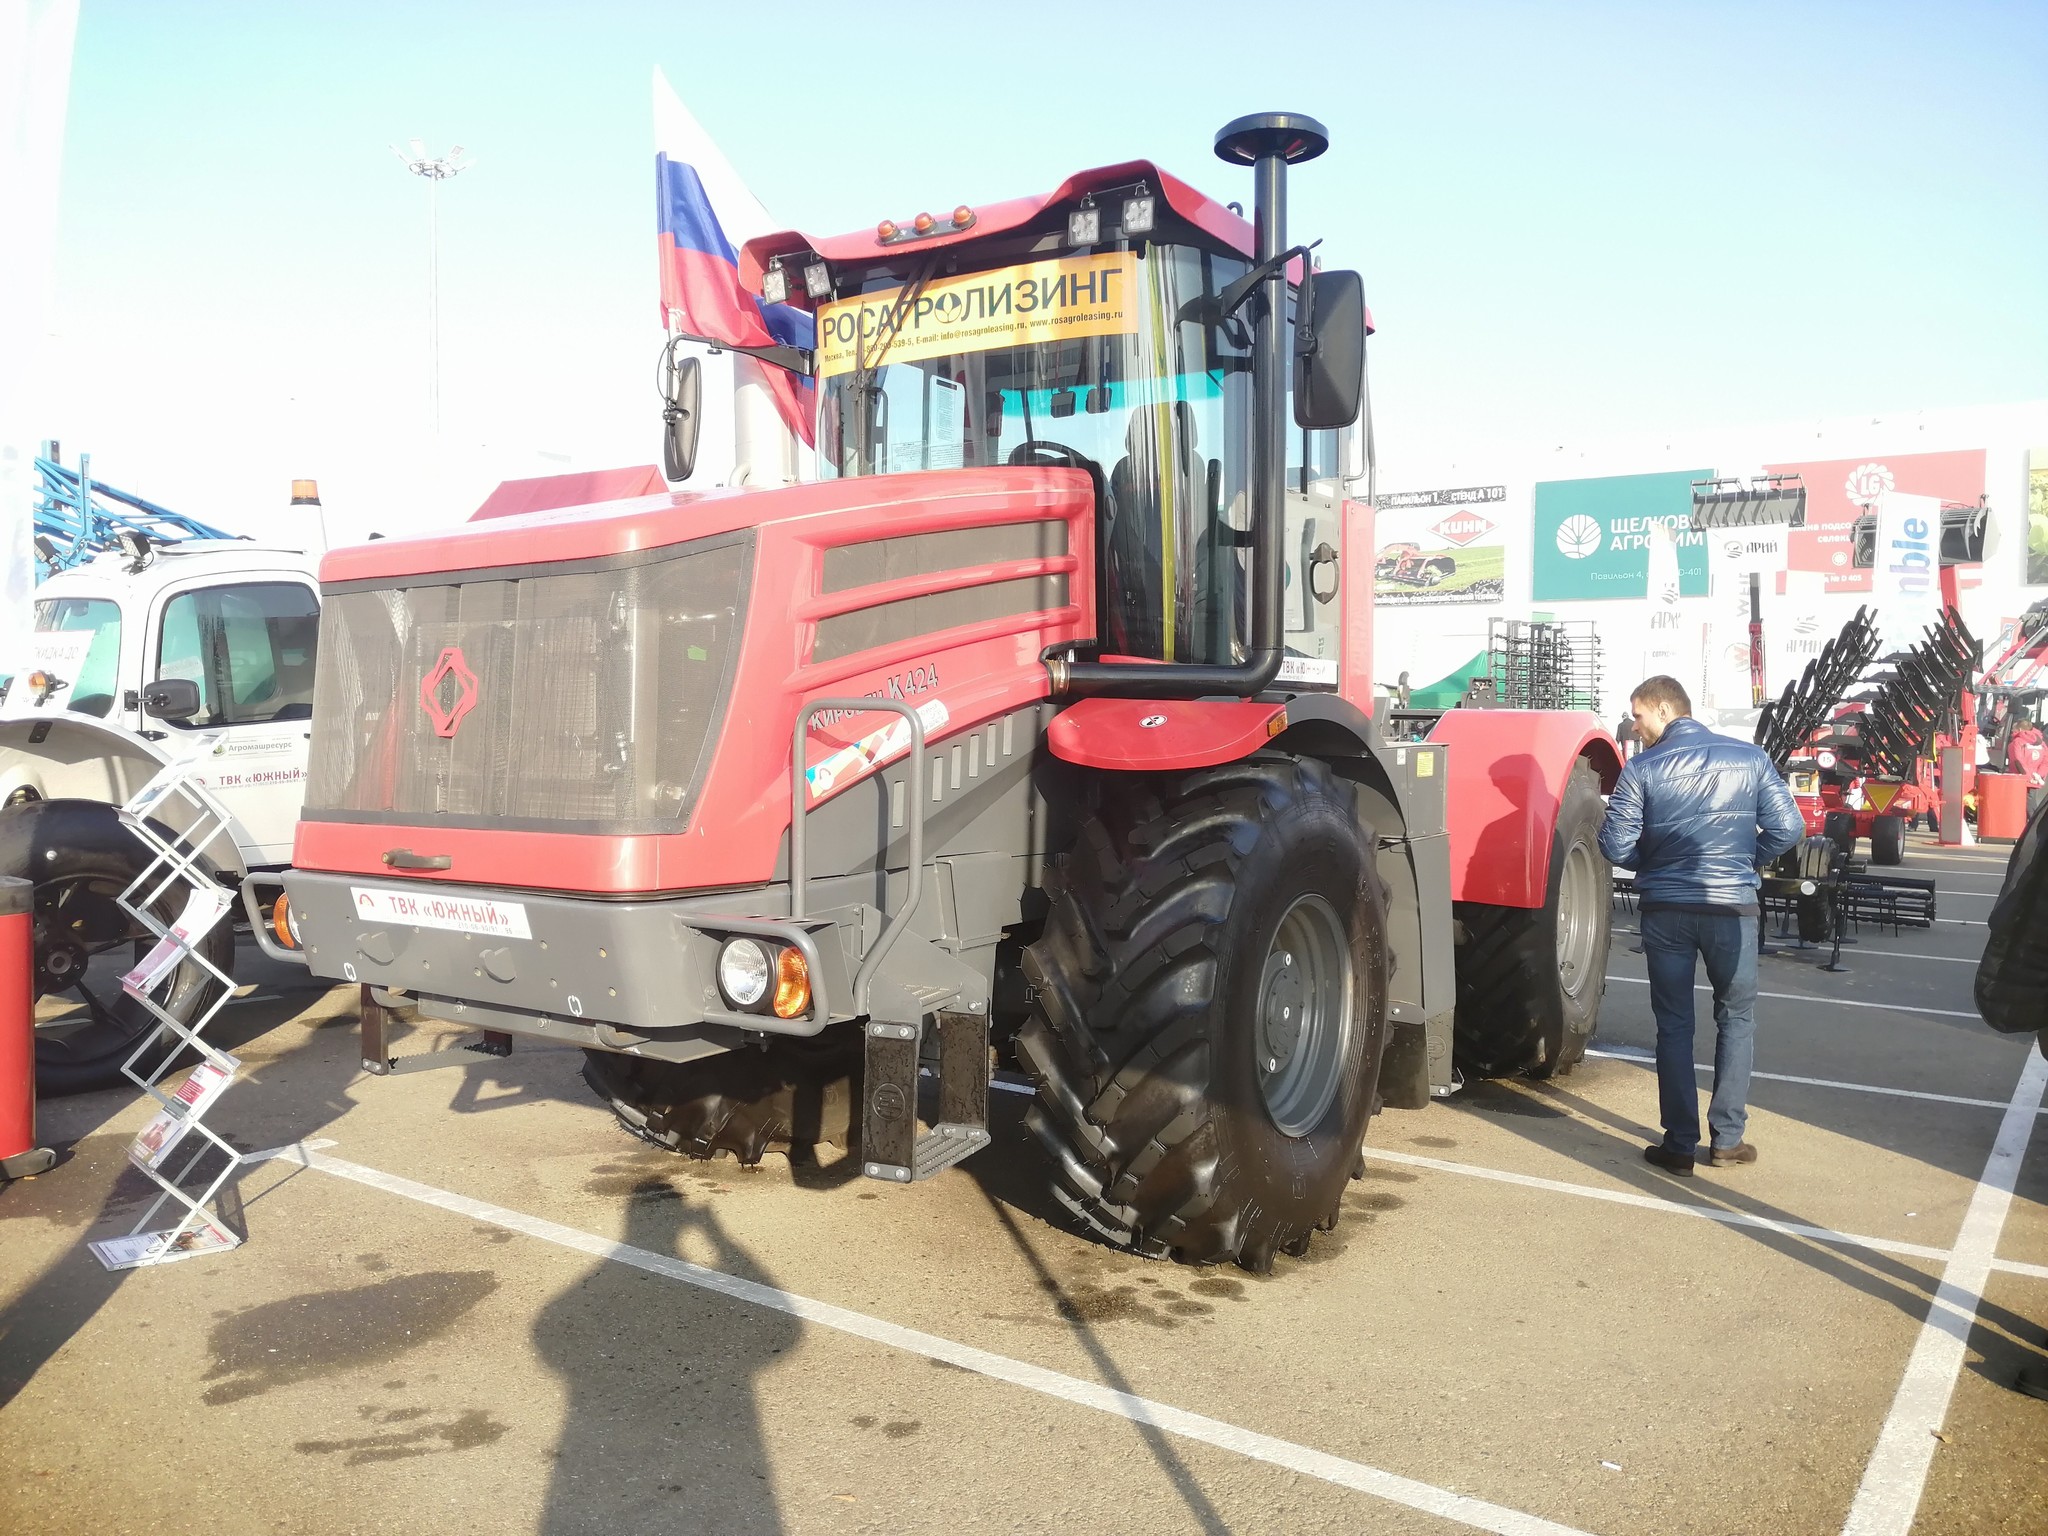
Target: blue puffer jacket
[1696,815]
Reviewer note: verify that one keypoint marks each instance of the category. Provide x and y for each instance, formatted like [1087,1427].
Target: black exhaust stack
[1268,142]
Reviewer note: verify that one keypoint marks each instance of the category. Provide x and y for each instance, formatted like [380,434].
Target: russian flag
[706,213]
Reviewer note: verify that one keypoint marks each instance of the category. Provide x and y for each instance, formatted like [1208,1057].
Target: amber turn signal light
[281,923]
[792,984]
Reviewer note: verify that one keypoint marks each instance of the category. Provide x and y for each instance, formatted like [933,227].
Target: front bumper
[618,975]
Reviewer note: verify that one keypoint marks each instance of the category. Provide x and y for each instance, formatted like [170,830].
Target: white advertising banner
[1740,551]
[1664,648]
[1906,575]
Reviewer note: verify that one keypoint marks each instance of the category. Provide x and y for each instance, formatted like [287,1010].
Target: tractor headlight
[743,972]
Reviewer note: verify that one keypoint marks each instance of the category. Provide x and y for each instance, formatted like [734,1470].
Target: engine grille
[597,698]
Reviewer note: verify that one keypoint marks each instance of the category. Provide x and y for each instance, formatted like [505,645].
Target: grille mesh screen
[598,695]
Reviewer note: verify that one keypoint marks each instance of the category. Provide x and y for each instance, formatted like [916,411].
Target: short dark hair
[1668,691]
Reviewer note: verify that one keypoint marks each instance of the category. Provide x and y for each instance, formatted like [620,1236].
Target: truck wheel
[1888,840]
[2012,976]
[796,1094]
[1210,1006]
[1840,829]
[1530,978]
[80,858]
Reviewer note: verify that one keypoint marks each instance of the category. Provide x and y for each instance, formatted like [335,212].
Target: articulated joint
[1056,670]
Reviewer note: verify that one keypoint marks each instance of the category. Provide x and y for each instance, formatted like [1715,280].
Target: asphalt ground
[481,1306]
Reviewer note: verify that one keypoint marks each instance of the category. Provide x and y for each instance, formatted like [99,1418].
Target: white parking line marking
[1389,1486]
[1896,1475]
[1653,1203]
[1901,954]
[1833,1002]
[1648,1059]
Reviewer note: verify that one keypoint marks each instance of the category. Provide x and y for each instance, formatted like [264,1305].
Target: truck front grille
[584,698]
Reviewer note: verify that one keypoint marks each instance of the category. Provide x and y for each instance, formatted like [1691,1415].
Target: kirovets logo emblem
[446,706]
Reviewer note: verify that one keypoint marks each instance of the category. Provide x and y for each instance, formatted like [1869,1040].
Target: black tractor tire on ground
[2012,975]
[1187,1110]
[1888,840]
[789,1098]
[1840,828]
[1518,1013]
[80,857]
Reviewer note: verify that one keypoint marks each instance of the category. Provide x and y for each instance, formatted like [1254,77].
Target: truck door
[249,645]
[1315,541]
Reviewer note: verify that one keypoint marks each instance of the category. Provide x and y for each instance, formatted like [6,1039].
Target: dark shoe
[1723,1157]
[1670,1161]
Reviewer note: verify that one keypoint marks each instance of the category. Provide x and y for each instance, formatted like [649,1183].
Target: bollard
[19,1155]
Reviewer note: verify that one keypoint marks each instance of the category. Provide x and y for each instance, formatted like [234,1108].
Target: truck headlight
[743,972]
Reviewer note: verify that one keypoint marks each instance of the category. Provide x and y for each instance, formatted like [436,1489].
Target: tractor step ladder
[891,1149]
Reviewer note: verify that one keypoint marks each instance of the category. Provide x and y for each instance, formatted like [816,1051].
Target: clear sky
[1574,219]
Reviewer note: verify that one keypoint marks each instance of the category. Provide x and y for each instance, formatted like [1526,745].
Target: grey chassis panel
[642,971]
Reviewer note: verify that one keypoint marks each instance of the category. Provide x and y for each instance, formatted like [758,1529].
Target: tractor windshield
[1114,362]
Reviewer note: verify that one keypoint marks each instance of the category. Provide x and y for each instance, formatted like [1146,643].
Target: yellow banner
[1010,307]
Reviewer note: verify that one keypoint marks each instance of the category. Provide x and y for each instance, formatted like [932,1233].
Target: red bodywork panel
[1158,735]
[1355,577]
[1199,209]
[979,671]
[548,492]
[1507,772]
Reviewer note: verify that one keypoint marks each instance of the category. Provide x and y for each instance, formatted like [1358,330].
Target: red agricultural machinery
[1037,731]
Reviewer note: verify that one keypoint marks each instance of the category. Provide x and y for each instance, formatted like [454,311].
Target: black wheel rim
[1305,1018]
[84,943]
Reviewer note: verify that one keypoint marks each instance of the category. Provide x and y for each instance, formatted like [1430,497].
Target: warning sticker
[1880,793]
[1013,306]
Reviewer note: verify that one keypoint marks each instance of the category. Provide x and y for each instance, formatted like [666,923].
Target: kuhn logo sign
[448,692]
[1461,528]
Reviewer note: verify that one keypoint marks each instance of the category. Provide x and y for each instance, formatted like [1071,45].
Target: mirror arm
[797,360]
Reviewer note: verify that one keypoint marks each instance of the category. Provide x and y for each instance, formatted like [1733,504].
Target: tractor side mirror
[1329,354]
[680,418]
[171,698]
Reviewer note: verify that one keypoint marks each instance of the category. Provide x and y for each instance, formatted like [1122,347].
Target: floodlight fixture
[433,171]
[1765,501]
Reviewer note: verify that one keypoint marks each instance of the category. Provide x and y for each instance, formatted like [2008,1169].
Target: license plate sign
[457,914]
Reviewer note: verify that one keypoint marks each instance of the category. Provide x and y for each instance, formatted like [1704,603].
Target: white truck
[135,654]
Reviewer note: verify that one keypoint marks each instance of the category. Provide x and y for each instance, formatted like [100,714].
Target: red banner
[1839,490]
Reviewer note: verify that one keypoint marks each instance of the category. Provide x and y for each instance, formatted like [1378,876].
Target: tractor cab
[1112,327]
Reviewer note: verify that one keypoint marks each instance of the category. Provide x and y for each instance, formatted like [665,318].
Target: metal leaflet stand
[181,1113]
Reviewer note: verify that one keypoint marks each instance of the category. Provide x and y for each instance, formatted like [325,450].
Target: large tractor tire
[1839,827]
[1530,978]
[80,858]
[2012,976]
[1210,997]
[795,1095]
[1888,840]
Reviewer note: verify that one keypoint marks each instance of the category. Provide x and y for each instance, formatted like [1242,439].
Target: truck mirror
[171,698]
[1329,358]
[680,418]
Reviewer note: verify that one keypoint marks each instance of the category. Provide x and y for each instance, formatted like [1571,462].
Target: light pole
[435,171]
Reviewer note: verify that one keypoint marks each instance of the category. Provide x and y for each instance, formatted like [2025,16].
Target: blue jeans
[1727,943]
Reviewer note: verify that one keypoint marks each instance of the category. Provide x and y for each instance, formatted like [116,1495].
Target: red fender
[1507,772]
[1160,735]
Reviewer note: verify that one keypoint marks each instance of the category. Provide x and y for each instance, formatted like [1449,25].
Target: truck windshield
[1115,363]
[78,640]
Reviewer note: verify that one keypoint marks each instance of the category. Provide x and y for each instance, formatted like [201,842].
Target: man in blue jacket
[1696,815]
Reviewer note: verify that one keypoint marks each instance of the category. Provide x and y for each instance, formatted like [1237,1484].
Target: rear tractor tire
[790,1097]
[1530,978]
[1210,998]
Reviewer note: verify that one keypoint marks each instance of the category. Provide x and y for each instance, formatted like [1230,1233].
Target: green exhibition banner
[1593,536]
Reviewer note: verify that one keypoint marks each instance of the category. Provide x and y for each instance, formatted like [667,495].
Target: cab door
[249,644]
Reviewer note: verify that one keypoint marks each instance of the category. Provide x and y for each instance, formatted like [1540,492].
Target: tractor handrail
[799,807]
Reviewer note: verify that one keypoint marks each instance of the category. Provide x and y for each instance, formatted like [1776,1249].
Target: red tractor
[1038,730]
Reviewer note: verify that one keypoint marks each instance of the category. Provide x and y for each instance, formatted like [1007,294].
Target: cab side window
[249,647]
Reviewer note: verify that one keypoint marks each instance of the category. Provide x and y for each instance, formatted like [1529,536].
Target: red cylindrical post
[19,1154]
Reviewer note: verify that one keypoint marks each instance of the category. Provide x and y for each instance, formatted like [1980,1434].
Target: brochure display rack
[174,1150]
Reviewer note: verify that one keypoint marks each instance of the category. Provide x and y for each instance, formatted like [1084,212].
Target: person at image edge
[1696,815]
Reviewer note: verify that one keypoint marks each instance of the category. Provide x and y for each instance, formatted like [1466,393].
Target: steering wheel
[1044,453]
